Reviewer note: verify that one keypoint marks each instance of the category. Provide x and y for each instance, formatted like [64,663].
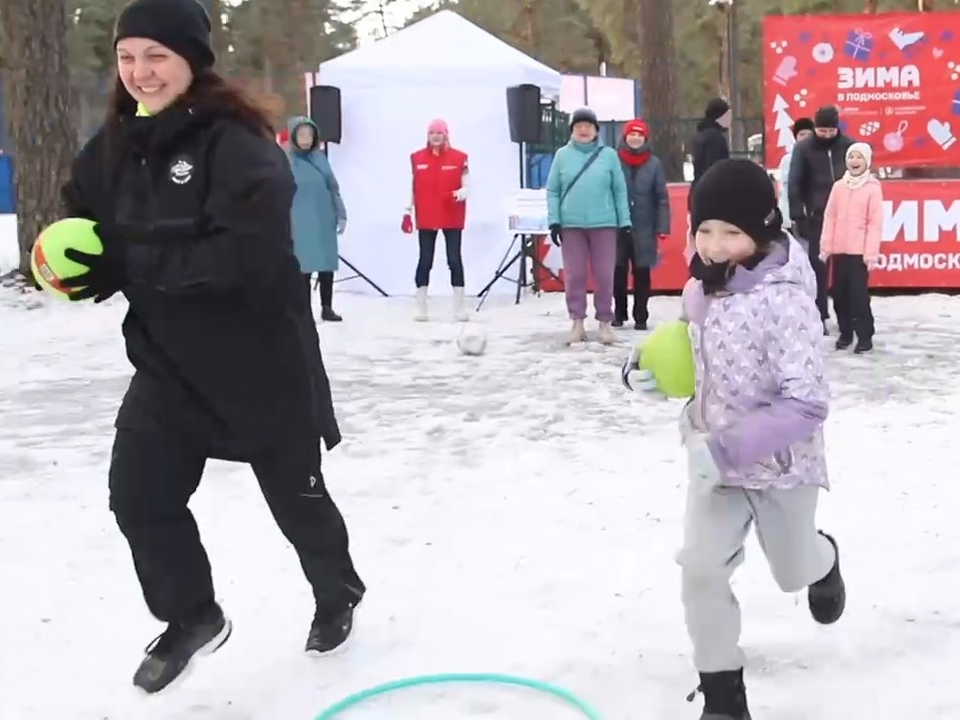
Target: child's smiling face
[718,242]
[856,163]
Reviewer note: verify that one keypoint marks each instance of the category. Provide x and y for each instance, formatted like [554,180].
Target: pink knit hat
[438,125]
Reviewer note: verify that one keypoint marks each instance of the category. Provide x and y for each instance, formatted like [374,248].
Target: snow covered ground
[516,512]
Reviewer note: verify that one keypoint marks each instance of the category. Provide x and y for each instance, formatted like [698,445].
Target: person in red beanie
[650,218]
[438,203]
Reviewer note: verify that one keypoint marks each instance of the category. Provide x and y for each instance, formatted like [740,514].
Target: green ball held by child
[668,355]
[49,263]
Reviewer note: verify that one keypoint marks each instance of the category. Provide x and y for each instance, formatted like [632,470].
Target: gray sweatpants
[716,524]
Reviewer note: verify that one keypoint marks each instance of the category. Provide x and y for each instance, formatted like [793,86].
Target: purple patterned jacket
[761,393]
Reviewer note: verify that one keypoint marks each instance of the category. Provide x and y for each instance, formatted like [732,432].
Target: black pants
[152,477]
[626,261]
[325,280]
[851,296]
[810,229]
[428,247]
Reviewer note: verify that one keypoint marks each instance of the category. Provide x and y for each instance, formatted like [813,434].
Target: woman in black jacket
[639,252]
[192,196]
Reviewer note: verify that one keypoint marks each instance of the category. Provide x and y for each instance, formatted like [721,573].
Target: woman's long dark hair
[208,90]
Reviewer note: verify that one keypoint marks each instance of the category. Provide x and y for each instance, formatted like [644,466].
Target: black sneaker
[843,342]
[863,346]
[724,696]
[640,325]
[328,315]
[617,323]
[328,634]
[827,597]
[169,655]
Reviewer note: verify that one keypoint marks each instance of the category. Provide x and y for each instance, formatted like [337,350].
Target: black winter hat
[827,117]
[181,25]
[584,115]
[716,109]
[738,192]
[803,124]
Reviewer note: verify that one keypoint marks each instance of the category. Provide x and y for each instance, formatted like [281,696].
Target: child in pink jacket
[852,228]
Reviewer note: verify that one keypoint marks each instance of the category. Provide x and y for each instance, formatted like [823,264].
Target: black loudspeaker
[523,108]
[325,112]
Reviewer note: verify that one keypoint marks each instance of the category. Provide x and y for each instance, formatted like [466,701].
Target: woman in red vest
[440,178]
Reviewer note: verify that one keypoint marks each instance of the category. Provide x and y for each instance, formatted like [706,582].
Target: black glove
[555,236]
[106,273]
[625,234]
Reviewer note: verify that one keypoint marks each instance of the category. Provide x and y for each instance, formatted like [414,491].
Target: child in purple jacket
[754,430]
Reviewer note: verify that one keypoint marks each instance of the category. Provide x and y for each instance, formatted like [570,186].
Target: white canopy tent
[441,67]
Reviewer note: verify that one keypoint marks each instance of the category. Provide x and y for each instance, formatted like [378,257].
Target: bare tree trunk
[871,7]
[40,106]
[658,79]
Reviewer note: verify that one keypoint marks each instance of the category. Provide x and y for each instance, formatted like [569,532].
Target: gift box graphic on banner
[858,45]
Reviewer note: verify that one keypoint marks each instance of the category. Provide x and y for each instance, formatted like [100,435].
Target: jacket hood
[786,263]
[297,121]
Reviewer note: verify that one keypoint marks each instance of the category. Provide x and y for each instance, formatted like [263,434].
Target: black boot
[843,342]
[617,322]
[328,315]
[827,597]
[329,632]
[863,346]
[724,696]
[169,654]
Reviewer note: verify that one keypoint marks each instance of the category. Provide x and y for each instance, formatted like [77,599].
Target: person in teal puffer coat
[587,208]
[318,215]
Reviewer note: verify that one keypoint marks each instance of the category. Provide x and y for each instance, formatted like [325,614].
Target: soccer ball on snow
[472,341]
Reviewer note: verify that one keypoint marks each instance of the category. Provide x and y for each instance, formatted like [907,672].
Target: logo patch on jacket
[181,171]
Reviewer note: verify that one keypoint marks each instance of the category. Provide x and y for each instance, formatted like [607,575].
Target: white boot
[578,333]
[459,305]
[422,311]
[605,336]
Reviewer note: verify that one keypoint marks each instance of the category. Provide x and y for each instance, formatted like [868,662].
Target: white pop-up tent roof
[442,67]
[453,49]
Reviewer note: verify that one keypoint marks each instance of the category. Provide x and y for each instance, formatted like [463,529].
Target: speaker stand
[525,279]
[358,274]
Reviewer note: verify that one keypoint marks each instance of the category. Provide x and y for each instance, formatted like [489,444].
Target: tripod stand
[526,252]
[358,274]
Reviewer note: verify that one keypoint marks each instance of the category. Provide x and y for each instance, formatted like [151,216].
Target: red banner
[921,239]
[894,76]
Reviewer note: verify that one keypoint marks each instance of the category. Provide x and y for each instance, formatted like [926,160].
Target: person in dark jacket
[191,196]
[818,162]
[650,215]
[710,144]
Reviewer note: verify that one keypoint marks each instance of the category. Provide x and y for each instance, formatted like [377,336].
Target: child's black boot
[724,696]
[827,597]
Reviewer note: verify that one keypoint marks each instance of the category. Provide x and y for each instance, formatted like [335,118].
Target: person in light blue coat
[587,208]
[318,215]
